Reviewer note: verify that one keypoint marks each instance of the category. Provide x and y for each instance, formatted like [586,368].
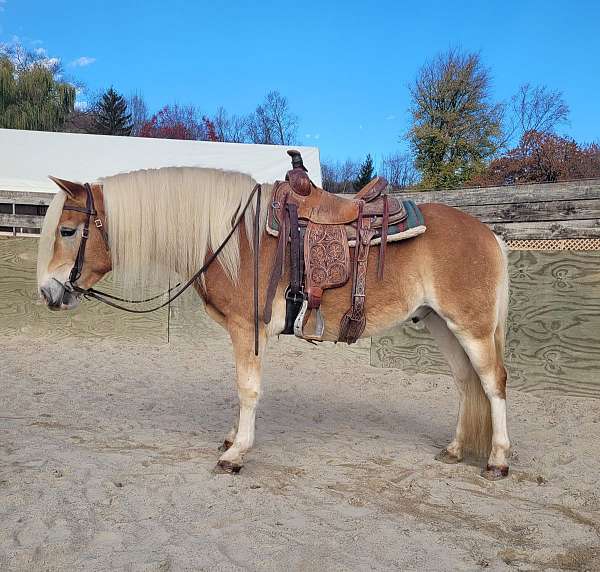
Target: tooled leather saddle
[320,229]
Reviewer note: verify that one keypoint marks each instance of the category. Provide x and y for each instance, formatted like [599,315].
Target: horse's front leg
[230,437]
[249,371]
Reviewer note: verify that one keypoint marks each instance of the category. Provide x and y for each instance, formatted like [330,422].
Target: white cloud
[82,62]
[307,135]
[50,63]
[390,117]
[317,135]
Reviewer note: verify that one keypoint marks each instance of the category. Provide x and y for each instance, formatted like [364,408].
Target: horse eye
[64,231]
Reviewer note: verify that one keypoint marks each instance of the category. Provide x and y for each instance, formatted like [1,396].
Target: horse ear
[72,189]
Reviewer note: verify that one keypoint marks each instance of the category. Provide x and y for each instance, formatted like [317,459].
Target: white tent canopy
[28,157]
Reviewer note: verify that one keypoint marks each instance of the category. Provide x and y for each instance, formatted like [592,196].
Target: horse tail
[476,417]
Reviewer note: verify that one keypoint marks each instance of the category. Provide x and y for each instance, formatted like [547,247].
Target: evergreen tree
[365,173]
[31,98]
[112,117]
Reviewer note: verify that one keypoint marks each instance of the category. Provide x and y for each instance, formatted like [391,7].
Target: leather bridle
[90,210]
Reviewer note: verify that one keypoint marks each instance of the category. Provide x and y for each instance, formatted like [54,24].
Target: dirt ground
[107,452]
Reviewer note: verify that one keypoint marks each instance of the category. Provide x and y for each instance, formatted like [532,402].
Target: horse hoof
[446,457]
[225,445]
[495,472]
[228,467]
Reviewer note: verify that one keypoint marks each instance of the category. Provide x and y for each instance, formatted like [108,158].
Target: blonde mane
[48,234]
[165,220]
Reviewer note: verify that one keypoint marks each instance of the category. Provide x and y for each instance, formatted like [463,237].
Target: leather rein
[70,286]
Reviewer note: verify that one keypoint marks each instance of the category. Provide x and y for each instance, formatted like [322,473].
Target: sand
[107,454]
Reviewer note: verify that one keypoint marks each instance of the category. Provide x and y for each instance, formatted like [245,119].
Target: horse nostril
[46,294]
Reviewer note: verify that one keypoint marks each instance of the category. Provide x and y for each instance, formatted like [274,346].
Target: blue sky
[344,66]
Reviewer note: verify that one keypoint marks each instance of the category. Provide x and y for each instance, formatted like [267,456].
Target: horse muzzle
[58,296]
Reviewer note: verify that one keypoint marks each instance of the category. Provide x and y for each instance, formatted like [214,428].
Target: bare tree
[24,59]
[139,112]
[272,123]
[536,108]
[259,128]
[339,177]
[399,170]
[229,128]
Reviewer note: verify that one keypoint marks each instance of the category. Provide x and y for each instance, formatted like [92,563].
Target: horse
[453,278]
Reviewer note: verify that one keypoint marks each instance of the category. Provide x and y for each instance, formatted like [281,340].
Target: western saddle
[320,228]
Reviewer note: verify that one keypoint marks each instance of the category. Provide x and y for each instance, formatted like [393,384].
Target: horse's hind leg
[248,371]
[486,355]
[473,408]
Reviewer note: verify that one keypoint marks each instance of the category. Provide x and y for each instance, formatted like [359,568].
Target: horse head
[73,254]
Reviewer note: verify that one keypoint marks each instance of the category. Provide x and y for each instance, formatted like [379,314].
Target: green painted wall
[553,326]
[553,341]
[22,312]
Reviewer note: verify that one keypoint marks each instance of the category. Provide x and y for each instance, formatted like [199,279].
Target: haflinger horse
[453,277]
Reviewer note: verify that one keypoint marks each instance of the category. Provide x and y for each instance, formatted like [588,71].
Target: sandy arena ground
[106,458]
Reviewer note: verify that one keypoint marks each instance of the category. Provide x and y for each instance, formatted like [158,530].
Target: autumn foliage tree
[455,125]
[542,158]
[209,129]
[173,122]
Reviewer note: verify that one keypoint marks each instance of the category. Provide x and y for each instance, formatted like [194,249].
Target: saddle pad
[321,207]
[411,226]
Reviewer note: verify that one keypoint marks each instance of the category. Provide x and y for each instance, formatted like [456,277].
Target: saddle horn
[297,162]
[298,175]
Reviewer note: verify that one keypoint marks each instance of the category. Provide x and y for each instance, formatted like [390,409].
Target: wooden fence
[530,212]
[22,212]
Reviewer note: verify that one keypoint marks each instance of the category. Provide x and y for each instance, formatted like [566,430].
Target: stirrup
[301,319]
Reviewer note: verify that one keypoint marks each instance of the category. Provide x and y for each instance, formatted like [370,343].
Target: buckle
[98,223]
[85,232]
[296,298]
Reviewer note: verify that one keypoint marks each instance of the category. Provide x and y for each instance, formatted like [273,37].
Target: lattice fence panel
[581,244]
